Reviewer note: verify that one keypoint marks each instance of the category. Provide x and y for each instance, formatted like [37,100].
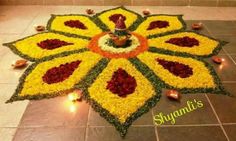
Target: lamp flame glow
[72,107]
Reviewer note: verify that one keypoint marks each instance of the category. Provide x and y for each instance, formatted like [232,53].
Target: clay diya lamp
[146,12]
[197,26]
[119,41]
[40,28]
[18,64]
[120,27]
[89,11]
[173,94]
[217,59]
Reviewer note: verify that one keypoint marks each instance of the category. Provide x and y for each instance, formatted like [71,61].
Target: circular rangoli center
[103,44]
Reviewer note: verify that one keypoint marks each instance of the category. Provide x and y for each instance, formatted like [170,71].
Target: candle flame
[73,96]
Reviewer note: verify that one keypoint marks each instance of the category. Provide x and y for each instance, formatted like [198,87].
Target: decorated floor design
[143,125]
[120,84]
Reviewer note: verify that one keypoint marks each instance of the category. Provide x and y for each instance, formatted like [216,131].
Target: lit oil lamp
[217,59]
[197,26]
[146,12]
[75,96]
[173,94]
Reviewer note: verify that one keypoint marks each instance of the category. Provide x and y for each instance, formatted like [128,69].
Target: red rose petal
[52,44]
[176,68]
[61,73]
[157,24]
[121,83]
[184,41]
[75,24]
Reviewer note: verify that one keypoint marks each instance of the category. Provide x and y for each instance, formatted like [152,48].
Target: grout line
[156,132]
[2,33]
[190,125]
[41,126]
[231,58]
[86,132]
[9,127]
[100,126]
[217,118]
[8,83]
[228,123]
[228,81]
[179,125]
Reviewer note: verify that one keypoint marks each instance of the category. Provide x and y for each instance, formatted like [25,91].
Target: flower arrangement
[75,54]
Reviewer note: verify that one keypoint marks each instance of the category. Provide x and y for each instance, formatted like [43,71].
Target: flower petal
[124,109]
[49,78]
[46,44]
[108,18]
[80,25]
[179,74]
[156,25]
[186,42]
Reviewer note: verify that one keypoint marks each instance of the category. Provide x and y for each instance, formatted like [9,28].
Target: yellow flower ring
[120,83]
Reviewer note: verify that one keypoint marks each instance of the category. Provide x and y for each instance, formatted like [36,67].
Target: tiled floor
[50,120]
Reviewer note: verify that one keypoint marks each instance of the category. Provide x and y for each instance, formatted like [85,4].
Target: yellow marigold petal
[34,85]
[28,46]
[57,23]
[201,77]
[206,45]
[122,108]
[175,23]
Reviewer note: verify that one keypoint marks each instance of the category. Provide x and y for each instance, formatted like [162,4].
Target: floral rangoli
[119,83]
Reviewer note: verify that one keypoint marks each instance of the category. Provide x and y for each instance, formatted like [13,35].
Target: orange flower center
[121,52]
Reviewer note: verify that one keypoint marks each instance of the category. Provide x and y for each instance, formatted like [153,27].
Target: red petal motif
[157,24]
[176,68]
[184,41]
[75,24]
[61,73]
[121,83]
[50,44]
